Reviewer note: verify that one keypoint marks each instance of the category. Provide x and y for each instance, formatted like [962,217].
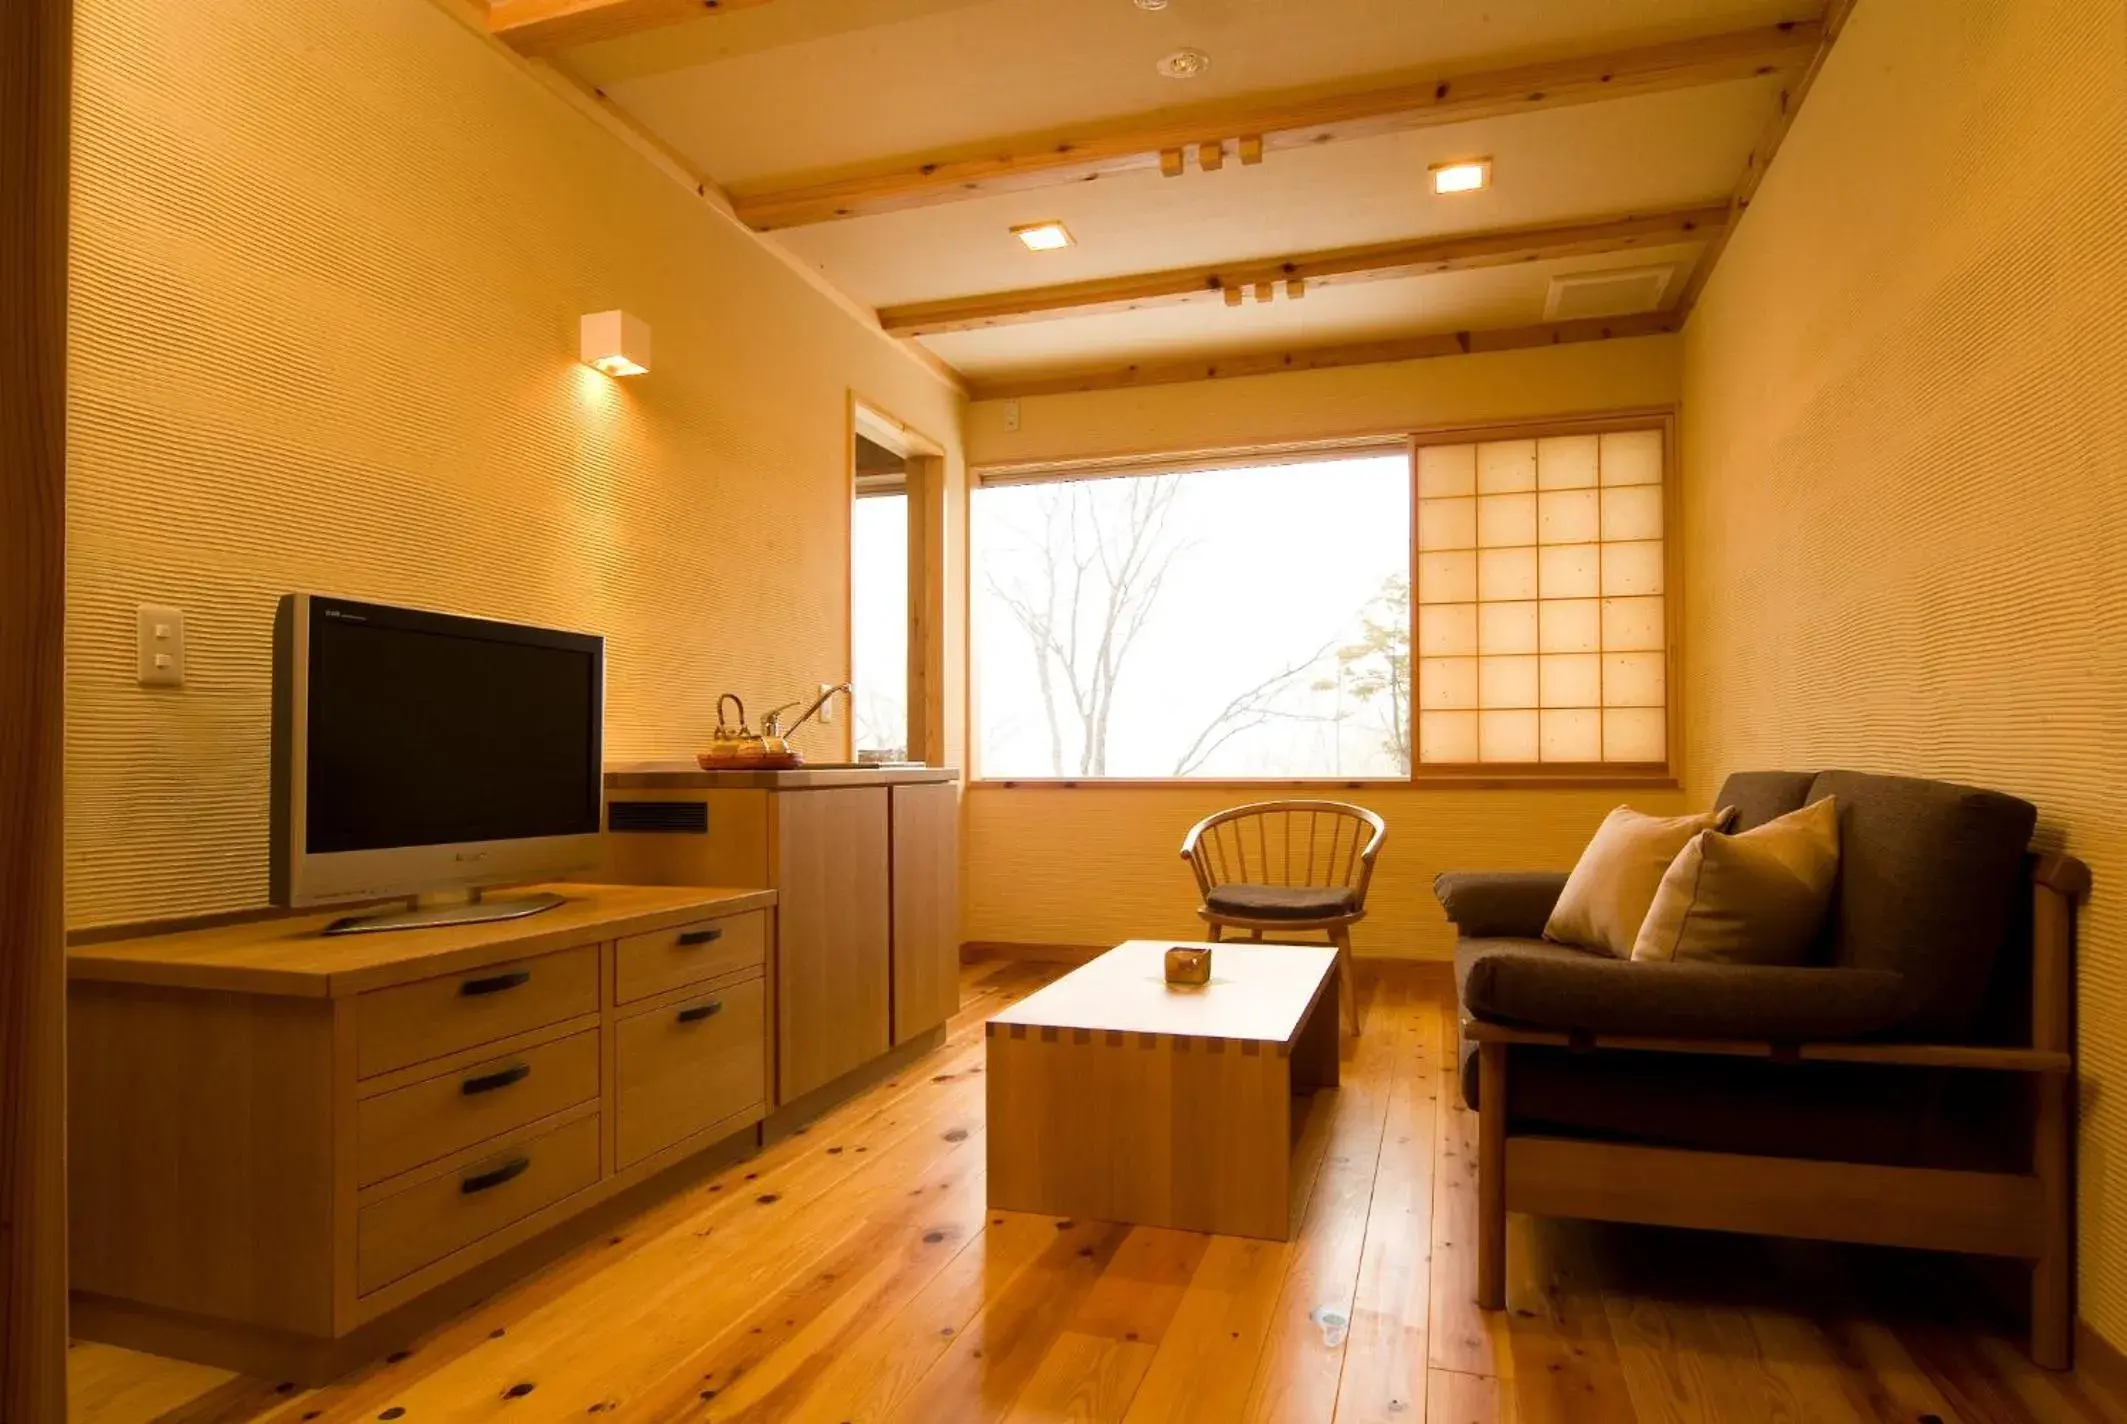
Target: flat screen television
[422,754]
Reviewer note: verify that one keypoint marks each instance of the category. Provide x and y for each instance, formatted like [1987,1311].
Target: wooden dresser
[278,1138]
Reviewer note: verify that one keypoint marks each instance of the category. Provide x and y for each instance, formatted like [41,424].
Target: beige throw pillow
[1611,887]
[1754,898]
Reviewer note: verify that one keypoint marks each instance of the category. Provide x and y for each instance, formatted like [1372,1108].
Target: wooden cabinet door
[926,831]
[832,927]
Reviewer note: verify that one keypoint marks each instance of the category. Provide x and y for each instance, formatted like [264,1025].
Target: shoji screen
[1541,626]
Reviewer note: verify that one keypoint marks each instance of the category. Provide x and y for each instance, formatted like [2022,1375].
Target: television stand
[471,910]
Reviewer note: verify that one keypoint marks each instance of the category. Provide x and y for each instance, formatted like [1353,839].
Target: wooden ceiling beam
[1316,358]
[1247,127]
[1836,14]
[543,26]
[1224,282]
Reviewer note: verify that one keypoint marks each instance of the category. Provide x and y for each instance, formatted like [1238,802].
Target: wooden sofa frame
[2022,1215]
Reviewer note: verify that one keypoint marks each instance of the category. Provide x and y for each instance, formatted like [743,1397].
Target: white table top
[1257,991]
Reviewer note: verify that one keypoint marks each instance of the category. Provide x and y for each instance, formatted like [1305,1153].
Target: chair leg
[2053,1273]
[1492,1176]
[1347,991]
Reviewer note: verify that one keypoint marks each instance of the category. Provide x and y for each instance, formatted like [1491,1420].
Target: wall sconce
[616,343]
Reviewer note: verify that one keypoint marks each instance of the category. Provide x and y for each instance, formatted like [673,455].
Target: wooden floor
[852,1273]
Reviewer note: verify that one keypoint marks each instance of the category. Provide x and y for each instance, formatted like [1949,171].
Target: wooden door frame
[36,42]
[925,484]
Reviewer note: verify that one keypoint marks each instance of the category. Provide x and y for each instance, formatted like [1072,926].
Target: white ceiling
[802,88]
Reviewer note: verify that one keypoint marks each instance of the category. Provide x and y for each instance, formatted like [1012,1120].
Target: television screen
[431,730]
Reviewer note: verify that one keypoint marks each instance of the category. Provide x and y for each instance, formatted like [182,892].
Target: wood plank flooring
[853,1273]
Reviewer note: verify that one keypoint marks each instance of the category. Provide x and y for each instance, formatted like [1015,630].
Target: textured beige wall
[1906,463]
[328,262]
[1097,865]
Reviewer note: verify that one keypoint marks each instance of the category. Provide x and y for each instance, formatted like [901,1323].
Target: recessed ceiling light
[1048,236]
[1151,4]
[1185,64]
[1465,176]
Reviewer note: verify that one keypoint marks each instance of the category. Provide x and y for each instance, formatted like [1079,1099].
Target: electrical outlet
[160,634]
[827,708]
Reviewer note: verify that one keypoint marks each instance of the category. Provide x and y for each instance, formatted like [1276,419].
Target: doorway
[897,590]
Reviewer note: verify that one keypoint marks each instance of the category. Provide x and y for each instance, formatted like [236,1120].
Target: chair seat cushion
[1281,902]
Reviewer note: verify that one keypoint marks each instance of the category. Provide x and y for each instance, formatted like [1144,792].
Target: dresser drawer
[398,1026]
[684,1067]
[399,1130]
[401,1233]
[648,964]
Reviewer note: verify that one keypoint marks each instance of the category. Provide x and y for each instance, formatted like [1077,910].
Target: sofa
[1912,1085]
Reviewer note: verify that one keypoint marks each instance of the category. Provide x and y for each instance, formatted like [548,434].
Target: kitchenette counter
[685,775]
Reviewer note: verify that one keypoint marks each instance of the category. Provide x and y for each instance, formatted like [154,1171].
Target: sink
[862,766]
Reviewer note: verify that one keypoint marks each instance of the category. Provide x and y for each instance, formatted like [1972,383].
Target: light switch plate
[1011,416]
[161,632]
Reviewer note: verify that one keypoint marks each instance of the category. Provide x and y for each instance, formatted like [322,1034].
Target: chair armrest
[1517,982]
[1488,904]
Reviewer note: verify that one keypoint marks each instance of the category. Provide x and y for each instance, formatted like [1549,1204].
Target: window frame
[1439,776]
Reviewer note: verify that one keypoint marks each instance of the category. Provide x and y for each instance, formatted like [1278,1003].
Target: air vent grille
[672,818]
[1626,292]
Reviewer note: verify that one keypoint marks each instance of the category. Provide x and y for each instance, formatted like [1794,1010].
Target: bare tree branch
[1248,709]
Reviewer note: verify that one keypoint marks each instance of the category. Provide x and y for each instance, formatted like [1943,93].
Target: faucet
[772,724]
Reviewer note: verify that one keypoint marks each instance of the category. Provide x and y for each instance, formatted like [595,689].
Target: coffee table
[1117,1098]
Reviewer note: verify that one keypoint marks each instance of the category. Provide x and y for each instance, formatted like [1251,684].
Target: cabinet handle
[700,1012]
[508,1171]
[501,1078]
[694,937]
[495,983]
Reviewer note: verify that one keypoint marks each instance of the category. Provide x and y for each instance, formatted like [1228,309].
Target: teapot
[736,748]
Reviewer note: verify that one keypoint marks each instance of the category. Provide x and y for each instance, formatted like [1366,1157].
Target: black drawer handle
[495,983]
[700,1012]
[501,1078]
[508,1171]
[695,937]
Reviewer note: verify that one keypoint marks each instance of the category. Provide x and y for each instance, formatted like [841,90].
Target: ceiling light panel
[1051,236]
[1468,175]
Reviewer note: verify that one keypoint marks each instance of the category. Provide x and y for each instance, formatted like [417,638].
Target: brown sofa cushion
[1510,903]
[1761,796]
[1544,985]
[1928,878]
[1281,902]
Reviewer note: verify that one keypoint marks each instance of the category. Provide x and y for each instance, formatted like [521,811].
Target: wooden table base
[1154,1129]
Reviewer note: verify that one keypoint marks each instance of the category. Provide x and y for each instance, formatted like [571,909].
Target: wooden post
[1492,1176]
[36,38]
[2058,882]
[925,481]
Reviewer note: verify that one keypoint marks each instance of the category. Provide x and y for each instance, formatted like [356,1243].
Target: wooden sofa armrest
[1915,1055]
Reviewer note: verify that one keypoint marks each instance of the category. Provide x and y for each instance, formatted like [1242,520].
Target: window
[1541,618]
[1254,617]
[1229,622]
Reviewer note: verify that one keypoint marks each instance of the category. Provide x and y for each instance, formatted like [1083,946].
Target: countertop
[289,956]
[684,775]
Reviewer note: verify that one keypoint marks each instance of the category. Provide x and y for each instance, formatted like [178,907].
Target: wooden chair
[1288,867]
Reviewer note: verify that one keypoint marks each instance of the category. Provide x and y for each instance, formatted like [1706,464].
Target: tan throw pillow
[1754,898]
[1611,887]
